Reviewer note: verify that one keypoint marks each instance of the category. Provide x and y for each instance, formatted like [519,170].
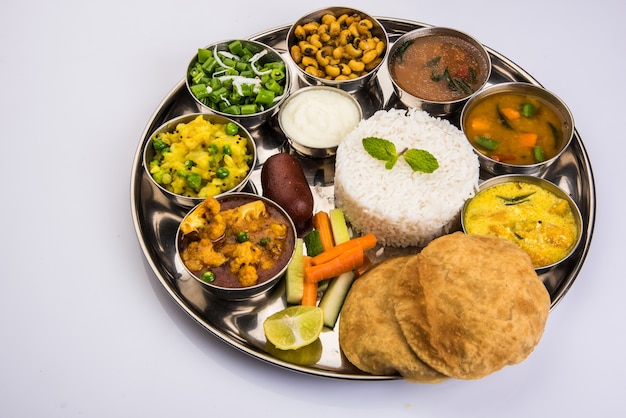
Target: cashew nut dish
[337,47]
[356,242]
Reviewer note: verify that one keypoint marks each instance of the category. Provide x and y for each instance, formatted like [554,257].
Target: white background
[87,330]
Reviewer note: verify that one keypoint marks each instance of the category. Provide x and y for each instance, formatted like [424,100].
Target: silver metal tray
[239,324]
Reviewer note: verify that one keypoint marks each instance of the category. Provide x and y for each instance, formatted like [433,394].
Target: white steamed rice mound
[400,207]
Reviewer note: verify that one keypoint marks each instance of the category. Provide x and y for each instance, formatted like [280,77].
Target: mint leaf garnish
[385,150]
[391,162]
[379,148]
[421,160]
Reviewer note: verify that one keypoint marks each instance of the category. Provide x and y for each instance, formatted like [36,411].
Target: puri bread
[369,336]
[469,305]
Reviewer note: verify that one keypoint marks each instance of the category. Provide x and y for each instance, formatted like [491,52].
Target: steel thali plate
[239,324]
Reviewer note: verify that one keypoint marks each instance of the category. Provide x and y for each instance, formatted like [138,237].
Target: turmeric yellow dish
[200,158]
[238,243]
[537,220]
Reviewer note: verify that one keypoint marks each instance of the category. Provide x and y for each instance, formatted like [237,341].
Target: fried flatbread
[369,336]
[469,305]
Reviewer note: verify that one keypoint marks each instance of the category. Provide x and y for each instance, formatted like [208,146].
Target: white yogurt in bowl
[316,119]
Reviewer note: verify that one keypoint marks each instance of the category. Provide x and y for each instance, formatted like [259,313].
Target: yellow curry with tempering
[537,220]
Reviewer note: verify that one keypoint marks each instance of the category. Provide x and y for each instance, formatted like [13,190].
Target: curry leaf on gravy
[503,119]
[434,61]
[515,200]
[402,49]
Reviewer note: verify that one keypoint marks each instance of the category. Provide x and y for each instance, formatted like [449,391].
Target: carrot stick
[364,243]
[309,294]
[367,263]
[510,113]
[528,139]
[321,222]
[347,261]
[309,291]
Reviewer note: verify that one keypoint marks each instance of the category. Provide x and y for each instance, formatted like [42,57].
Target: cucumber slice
[333,298]
[294,280]
[338,226]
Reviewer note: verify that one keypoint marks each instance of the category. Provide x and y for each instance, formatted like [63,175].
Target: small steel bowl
[294,36]
[170,126]
[313,121]
[537,181]
[253,120]
[535,92]
[244,293]
[441,108]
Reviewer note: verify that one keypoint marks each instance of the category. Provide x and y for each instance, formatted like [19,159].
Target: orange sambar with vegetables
[514,128]
[438,68]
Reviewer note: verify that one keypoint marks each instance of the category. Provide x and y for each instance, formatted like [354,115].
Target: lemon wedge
[294,327]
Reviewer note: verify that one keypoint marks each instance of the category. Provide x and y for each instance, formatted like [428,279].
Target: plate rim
[135,189]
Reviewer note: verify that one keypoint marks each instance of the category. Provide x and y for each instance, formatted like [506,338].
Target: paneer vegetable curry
[239,243]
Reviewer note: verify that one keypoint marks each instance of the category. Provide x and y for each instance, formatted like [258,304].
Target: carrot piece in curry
[528,139]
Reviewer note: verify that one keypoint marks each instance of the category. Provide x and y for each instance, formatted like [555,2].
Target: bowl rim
[433,31]
[170,125]
[225,42]
[541,182]
[523,87]
[265,285]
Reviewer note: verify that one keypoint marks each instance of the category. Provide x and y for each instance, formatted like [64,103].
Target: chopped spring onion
[237,81]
